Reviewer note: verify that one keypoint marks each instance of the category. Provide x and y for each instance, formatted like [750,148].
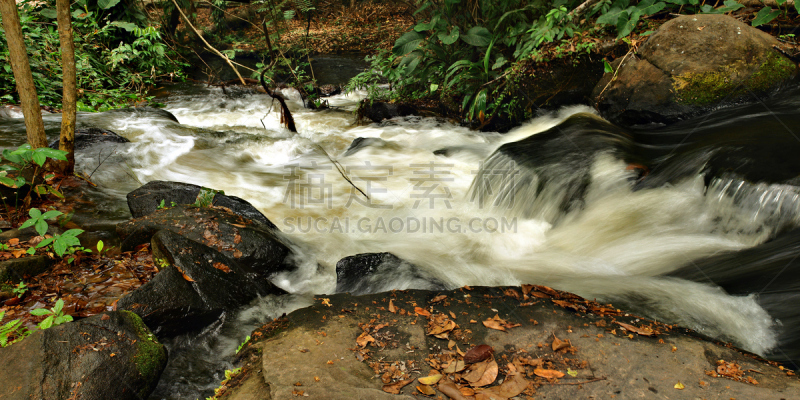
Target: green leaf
[40,311]
[607,68]
[611,17]
[47,323]
[477,36]
[289,14]
[434,87]
[765,15]
[59,306]
[48,13]
[41,227]
[5,181]
[44,242]
[422,27]
[59,246]
[451,38]
[733,5]
[100,246]
[128,26]
[106,4]
[407,43]
[51,214]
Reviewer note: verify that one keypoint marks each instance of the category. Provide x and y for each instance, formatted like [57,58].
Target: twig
[617,71]
[579,10]
[113,151]
[577,383]
[200,35]
[85,178]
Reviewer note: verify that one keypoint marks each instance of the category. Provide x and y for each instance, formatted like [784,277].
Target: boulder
[108,356]
[378,111]
[252,245]
[17,269]
[546,343]
[88,137]
[378,272]
[146,199]
[194,286]
[689,66]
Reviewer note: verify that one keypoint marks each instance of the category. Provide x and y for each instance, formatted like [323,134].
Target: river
[630,235]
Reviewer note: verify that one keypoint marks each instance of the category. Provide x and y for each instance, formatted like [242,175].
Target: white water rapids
[420,209]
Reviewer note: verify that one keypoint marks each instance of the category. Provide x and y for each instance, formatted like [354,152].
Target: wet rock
[315,349]
[88,137]
[362,143]
[253,245]
[146,199]
[329,90]
[378,111]
[17,269]
[141,112]
[108,356]
[691,65]
[377,272]
[194,286]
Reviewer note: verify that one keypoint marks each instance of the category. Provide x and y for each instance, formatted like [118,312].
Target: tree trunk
[22,74]
[68,105]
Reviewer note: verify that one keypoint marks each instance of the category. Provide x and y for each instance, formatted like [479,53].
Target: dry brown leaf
[222,267]
[488,376]
[644,331]
[455,366]
[512,386]
[426,390]
[494,324]
[452,315]
[559,344]
[421,311]
[186,277]
[430,379]
[392,308]
[438,298]
[526,289]
[13,241]
[17,253]
[478,353]
[327,302]
[548,373]
[512,293]
[467,391]
[364,339]
[729,369]
[476,371]
[446,326]
[396,387]
[450,390]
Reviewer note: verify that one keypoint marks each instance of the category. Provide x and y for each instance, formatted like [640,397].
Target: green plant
[19,290]
[55,315]
[39,221]
[206,197]
[12,331]
[241,346]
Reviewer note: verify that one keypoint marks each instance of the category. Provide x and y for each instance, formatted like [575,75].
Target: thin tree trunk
[68,105]
[22,74]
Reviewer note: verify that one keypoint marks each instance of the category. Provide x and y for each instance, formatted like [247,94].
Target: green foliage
[118,54]
[55,315]
[206,197]
[241,346]
[65,243]
[19,290]
[12,331]
[39,220]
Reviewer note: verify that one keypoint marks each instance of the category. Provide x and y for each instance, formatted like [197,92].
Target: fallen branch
[215,51]
[579,10]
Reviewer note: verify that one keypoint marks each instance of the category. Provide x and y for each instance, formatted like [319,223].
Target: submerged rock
[378,111]
[88,137]
[194,286]
[539,336]
[689,66]
[108,356]
[377,272]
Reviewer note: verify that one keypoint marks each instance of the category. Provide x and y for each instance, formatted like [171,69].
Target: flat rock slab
[552,345]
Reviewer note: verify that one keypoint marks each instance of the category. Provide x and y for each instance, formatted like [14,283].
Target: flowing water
[566,209]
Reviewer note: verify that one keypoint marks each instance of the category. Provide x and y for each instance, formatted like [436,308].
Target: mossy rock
[690,65]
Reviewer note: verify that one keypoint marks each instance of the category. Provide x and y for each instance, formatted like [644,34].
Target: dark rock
[108,356]
[141,112]
[146,199]
[329,90]
[88,137]
[691,65]
[194,289]
[252,245]
[362,143]
[378,111]
[378,272]
[18,269]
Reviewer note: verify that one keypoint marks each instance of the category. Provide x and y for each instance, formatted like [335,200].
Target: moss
[731,82]
[150,354]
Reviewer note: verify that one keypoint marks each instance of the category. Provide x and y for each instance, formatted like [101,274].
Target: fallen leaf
[512,386]
[476,371]
[364,339]
[437,329]
[438,298]
[548,373]
[327,302]
[426,390]
[494,324]
[512,293]
[455,366]
[644,331]
[489,375]
[186,277]
[392,308]
[421,311]
[559,344]
[450,390]
[679,386]
[572,373]
[396,387]
[729,369]
[17,253]
[222,267]
[452,315]
[13,241]
[430,379]
[478,353]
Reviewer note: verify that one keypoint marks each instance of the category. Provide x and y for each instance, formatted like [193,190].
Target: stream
[657,242]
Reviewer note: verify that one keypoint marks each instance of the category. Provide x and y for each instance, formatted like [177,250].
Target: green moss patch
[730,82]
[150,354]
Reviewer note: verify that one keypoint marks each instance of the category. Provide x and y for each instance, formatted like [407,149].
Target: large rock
[108,356]
[378,111]
[88,137]
[194,286]
[690,65]
[146,199]
[379,272]
[253,245]
[346,347]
